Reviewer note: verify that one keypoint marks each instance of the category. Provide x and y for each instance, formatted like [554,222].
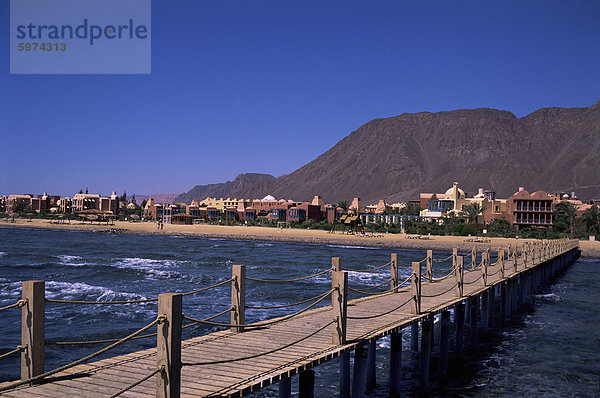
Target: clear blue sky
[267,86]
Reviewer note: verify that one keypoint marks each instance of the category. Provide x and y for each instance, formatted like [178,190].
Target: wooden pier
[244,358]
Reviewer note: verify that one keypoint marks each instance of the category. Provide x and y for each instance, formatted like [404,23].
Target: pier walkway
[244,358]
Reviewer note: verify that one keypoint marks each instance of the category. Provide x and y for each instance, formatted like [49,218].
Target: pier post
[335,264]
[515,262]
[306,384]
[394,271]
[285,387]
[444,343]
[485,262]
[492,307]
[415,288]
[345,375]
[459,319]
[429,271]
[459,273]
[339,302]
[501,263]
[395,364]
[168,346]
[360,372]
[503,301]
[473,256]
[414,337]
[425,353]
[454,257]
[33,316]
[371,366]
[524,252]
[485,316]
[238,297]
[474,320]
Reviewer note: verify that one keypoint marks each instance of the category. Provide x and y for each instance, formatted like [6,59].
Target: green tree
[81,191]
[500,226]
[472,211]
[86,190]
[411,209]
[21,206]
[133,200]
[343,204]
[566,212]
[123,197]
[591,220]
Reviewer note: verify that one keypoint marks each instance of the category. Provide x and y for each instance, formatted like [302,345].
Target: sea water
[550,348]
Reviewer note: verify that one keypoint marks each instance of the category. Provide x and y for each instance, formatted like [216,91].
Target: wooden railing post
[524,253]
[394,272]
[429,269]
[238,297]
[501,263]
[459,272]
[339,303]
[473,256]
[485,262]
[32,328]
[335,264]
[454,256]
[515,259]
[168,345]
[415,287]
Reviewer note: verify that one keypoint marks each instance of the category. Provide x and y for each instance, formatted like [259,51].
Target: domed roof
[268,198]
[450,193]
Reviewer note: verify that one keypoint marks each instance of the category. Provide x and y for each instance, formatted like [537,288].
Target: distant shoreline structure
[319,237]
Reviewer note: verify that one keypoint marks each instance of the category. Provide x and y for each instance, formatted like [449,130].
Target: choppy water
[550,349]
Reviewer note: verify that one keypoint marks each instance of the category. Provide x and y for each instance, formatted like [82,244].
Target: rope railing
[100,302]
[137,383]
[159,319]
[449,274]
[90,342]
[272,307]
[473,281]
[262,353]
[441,293]
[382,314]
[378,285]
[367,269]
[208,287]
[19,348]
[288,280]
[364,292]
[441,260]
[261,324]
[494,273]
[18,304]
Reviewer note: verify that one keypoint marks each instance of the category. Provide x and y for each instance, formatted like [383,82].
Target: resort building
[535,210]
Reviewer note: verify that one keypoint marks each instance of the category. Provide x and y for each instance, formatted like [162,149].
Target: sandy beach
[400,241]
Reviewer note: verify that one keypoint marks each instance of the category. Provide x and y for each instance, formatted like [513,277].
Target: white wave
[65,258]
[152,267]
[550,296]
[2,254]
[354,247]
[69,291]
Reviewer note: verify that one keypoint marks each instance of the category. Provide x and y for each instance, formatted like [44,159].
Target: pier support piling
[345,375]
[395,364]
[474,321]
[285,387]
[360,372]
[414,337]
[306,384]
[444,343]
[371,366]
[425,353]
[459,319]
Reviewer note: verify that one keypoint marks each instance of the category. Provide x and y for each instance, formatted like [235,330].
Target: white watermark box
[80,36]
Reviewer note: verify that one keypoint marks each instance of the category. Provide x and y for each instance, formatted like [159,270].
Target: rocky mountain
[249,185]
[554,149]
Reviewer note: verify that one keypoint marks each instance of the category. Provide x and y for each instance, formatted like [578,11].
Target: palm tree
[343,204]
[567,211]
[471,211]
[591,219]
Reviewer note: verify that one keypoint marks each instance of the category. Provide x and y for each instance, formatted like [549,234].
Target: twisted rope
[287,280]
[19,304]
[494,273]
[144,336]
[208,287]
[160,318]
[368,269]
[379,285]
[441,260]
[132,385]
[382,292]
[261,324]
[440,294]
[19,348]
[452,271]
[382,314]
[272,307]
[262,353]
[470,283]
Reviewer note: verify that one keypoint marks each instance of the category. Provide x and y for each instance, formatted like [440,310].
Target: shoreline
[320,237]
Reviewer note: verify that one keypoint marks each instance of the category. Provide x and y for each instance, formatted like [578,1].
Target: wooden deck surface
[106,377]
